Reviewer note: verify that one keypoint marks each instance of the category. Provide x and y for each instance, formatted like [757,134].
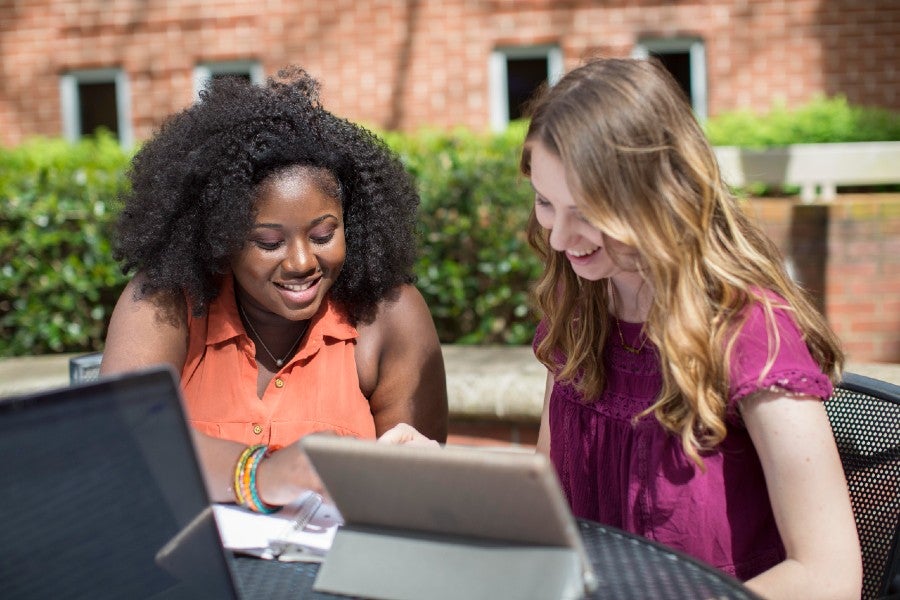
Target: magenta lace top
[637,477]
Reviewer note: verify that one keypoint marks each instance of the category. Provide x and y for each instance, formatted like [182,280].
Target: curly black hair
[190,204]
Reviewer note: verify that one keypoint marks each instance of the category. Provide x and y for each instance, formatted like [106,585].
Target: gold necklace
[278,361]
[627,347]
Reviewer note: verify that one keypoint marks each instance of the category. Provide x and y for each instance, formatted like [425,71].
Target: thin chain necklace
[627,347]
[278,361]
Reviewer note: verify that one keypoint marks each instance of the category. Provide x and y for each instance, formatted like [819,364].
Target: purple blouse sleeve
[793,369]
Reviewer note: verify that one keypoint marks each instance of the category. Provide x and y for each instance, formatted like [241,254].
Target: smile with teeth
[295,287]
[582,253]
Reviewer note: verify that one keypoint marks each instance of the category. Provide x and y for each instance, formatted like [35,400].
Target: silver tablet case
[453,522]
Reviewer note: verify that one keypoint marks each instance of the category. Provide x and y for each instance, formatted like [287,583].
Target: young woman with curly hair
[273,244]
[686,371]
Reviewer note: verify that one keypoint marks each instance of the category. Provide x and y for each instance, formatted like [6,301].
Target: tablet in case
[442,523]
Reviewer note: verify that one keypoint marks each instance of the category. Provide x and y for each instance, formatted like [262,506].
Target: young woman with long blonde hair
[686,371]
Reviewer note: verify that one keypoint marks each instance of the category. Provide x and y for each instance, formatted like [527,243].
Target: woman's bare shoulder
[146,329]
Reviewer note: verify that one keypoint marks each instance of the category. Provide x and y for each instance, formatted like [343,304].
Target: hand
[286,474]
[404,434]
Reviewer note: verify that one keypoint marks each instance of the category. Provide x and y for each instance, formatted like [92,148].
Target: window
[204,73]
[94,100]
[685,58]
[515,74]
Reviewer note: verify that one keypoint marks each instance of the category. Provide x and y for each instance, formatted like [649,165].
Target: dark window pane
[244,76]
[523,77]
[679,65]
[97,102]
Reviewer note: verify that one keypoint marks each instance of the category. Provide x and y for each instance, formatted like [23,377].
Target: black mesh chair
[865,419]
[84,368]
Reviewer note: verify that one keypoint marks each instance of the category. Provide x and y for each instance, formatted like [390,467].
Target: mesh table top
[626,566]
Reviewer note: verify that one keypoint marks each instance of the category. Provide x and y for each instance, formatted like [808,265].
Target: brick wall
[847,254]
[411,63]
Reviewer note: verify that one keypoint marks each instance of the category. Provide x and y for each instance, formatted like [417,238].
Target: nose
[561,232]
[300,258]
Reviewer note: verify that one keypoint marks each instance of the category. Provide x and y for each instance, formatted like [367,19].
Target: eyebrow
[314,222]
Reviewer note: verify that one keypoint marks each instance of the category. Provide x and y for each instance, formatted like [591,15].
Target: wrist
[246,479]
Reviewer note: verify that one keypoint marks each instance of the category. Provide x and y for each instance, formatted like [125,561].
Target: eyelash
[268,247]
[272,246]
[323,239]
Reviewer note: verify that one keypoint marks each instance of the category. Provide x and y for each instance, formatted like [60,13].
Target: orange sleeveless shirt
[317,390]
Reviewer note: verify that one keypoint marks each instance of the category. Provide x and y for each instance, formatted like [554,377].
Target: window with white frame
[96,99]
[515,74]
[206,72]
[685,59]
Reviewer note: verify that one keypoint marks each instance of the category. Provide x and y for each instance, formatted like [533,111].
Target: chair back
[865,418]
[84,368]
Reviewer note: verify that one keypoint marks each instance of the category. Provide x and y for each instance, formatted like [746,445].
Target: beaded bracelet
[245,489]
[254,502]
[239,496]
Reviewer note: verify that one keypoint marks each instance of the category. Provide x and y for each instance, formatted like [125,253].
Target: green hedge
[823,120]
[475,266]
[58,282]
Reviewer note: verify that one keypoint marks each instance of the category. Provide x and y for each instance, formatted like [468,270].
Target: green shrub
[823,120]
[475,265]
[58,282]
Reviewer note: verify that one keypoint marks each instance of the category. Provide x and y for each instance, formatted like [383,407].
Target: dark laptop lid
[103,496]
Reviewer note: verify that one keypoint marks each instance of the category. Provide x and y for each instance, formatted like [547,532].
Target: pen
[309,504]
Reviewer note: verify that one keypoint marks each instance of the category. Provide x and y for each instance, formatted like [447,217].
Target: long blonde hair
[642,171]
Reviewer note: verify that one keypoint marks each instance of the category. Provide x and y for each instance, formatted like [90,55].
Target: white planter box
[817,168]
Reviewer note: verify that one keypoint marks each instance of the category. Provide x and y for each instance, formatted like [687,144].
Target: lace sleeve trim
[791,383]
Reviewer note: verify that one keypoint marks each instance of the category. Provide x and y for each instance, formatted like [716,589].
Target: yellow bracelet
[251,493]
[239,496]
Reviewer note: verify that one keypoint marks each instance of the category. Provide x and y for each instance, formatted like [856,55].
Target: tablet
[503,496]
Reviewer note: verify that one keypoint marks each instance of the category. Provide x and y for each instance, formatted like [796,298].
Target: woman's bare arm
[401,367]
[145,331]
[543,441]
[809,498]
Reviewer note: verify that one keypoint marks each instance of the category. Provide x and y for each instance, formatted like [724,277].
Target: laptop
[447,523]
[103,496]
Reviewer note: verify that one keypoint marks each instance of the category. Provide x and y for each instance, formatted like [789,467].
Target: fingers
[405,434]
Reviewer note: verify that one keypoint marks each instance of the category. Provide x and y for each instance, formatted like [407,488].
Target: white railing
[817,168]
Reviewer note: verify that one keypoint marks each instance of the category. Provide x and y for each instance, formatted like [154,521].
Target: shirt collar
[224,322]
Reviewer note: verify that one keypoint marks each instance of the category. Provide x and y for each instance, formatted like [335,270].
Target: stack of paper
[301,531]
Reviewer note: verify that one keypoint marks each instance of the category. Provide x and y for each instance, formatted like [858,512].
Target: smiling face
[588,249]
[295,249]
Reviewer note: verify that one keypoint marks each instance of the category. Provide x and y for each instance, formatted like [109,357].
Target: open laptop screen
[97,481]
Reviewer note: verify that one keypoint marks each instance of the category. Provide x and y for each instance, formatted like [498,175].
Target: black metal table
[627,567]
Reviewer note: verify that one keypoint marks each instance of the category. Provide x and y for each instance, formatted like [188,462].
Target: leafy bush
[475,266]
[58,282]
[823,120]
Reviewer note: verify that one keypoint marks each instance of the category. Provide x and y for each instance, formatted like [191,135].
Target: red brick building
[70,65]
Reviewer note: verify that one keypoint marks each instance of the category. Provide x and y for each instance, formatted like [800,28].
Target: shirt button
[257,428]
[279,382]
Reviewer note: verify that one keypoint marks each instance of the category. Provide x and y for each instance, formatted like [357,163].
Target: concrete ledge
[484,383]
[494,382]
[817,168]
[25,374]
